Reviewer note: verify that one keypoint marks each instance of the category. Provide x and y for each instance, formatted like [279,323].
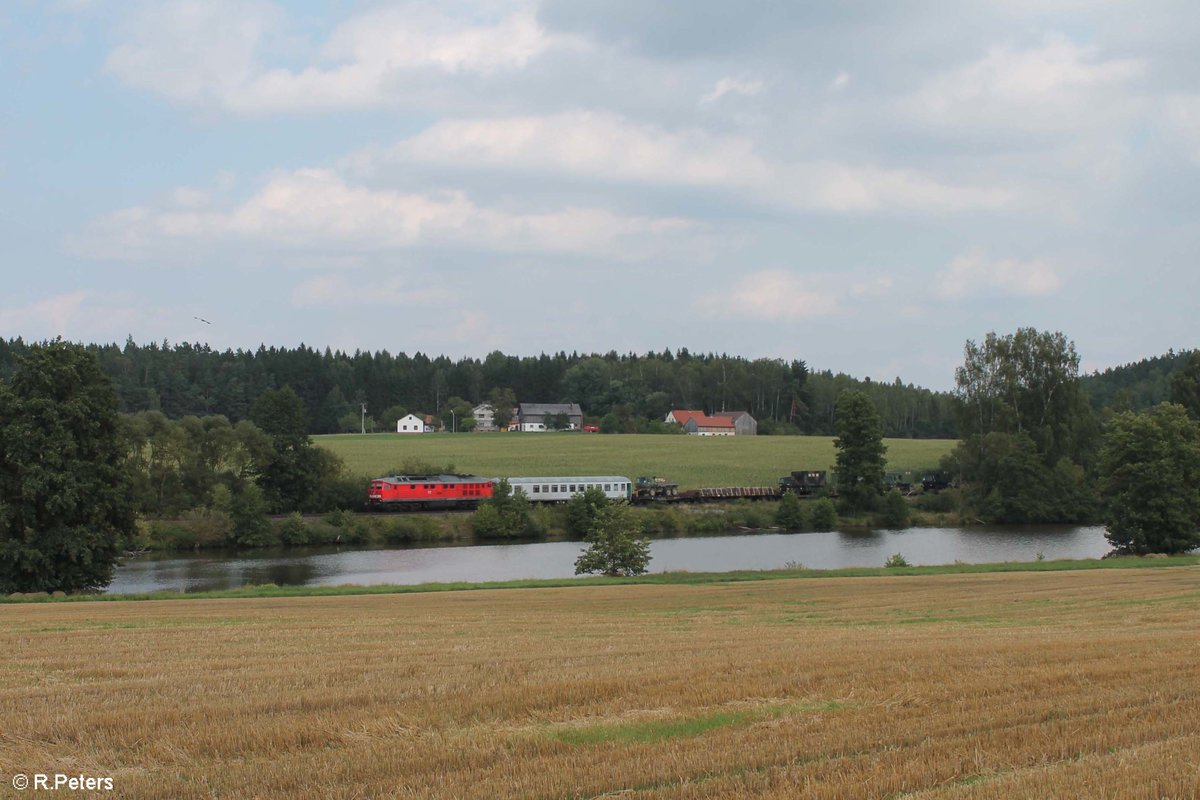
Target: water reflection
[326,566]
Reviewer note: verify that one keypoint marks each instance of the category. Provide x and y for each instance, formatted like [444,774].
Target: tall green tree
[860,451]
[64,505]
[1150,467]
[1026,382]
[292,479]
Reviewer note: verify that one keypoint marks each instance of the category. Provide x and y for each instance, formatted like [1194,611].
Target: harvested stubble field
[1072,684]
[692,461]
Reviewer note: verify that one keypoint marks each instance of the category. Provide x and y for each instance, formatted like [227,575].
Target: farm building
[539,416]
[743,423]
[720,423]
[710,426]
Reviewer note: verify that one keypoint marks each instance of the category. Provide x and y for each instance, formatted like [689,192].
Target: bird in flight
[202,319]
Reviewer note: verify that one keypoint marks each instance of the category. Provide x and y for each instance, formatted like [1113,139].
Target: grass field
[692,461]
[1060,684]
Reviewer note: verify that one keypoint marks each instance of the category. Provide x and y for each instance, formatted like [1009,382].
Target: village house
[411,423]
[721,423]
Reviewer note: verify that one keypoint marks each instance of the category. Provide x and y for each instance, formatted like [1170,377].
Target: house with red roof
[681,416]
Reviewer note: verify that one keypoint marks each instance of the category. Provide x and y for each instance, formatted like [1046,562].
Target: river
[500,562]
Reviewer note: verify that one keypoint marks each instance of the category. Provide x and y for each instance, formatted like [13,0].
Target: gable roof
[683,415]
[541,409]
[734,415]
[702,421]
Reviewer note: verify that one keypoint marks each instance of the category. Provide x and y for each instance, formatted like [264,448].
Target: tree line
[628,392]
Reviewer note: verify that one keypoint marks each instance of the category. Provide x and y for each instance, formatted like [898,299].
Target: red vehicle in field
[399,492]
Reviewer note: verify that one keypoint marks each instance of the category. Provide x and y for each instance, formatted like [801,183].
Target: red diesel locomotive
[428,491]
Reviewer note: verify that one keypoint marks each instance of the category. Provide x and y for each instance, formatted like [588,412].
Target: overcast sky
[861,185]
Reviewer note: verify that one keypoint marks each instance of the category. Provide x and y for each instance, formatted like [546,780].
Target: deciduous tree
[1150,463]
[64,489]
[617,545]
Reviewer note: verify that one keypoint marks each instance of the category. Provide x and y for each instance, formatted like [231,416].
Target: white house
[412,424]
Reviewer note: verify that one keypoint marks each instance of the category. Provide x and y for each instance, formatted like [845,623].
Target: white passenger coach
[560,490]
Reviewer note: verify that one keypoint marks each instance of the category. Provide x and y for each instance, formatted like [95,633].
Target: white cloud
[607,147]
[769,295]
[82,314]
[193,51]
[840,81]
[875,287]
[1055,86]
[211,52]
[378,287]
[316,210]
[1183,120]
[595,144]
[52,313]
[743,86]
[975,274]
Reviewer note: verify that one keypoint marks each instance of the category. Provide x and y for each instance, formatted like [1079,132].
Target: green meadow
[692,461]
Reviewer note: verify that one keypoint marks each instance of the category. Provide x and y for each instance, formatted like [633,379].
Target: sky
[861,185]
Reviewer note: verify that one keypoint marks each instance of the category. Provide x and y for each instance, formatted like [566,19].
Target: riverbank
[204,529]
[661,578]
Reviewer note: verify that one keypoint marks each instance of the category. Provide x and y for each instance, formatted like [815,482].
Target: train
[420,492]
[446,491]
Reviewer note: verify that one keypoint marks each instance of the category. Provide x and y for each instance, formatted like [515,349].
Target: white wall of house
[411,424]
[485,417]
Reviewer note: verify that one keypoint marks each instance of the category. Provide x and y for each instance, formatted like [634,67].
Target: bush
[896,560]
[747,514]
[209,527]
[894,510]
[251,528]
[824,514]
[404,531]
[320,532]
[659,521]
[170,535]
[790,514]
[351,528]
[504,515]
[292,531]
[939,502]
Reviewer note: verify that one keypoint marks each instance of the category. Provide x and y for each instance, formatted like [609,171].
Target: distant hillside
[1135,386]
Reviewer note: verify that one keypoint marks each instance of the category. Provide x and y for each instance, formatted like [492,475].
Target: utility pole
[364,418]
[453,422]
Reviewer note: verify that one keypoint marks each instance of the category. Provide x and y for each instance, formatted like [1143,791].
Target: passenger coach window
[608,487]
[536,489]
